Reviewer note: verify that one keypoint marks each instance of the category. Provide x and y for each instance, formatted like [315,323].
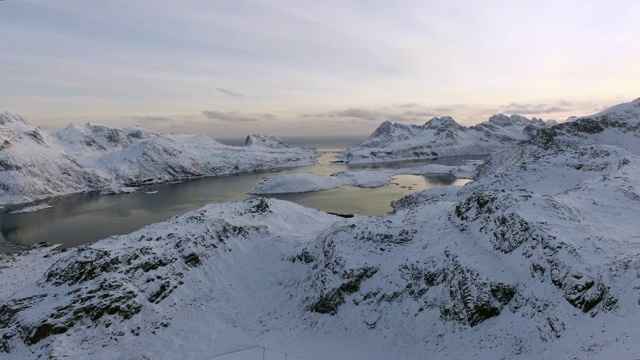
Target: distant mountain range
[537,258]
[36,164]
[442,136]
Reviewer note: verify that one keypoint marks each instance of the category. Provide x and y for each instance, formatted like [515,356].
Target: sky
[294,67]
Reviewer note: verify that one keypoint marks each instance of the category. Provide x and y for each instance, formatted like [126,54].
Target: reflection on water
[84,218]
[350,199]
[79,219]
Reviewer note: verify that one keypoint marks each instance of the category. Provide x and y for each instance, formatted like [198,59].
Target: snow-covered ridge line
[304,182]
[441,136]
[35,164]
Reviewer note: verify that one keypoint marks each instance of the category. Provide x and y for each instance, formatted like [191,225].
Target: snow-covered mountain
[441,136]
[35,164]
[32,165]
[268,141]
[538,258]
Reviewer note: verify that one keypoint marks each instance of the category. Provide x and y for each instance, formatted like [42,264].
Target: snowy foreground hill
[35,164]
[538,258]
[440,137]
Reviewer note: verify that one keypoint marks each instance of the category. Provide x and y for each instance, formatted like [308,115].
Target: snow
[35,164]
[537,258]
[33,208]
[18,270]
[440,137]
[268,141]
[304,182]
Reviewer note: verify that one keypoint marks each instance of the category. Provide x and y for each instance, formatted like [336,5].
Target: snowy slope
[32,165]
[35,164]
[439,137]
[268,141]
[538,258]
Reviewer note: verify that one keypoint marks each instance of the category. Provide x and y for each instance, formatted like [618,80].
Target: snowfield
[304,182]
[35,164]
[537,258]
[33,208]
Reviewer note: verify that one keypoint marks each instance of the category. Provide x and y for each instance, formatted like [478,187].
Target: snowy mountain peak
[389,129]
[440,136]
[443,122]
[107,136]
[617,126]
[385,128]
[628,112]
[7,117]
[36,164]
[505,120]
[73,128]
[135,132]
[14,128]
[268,141]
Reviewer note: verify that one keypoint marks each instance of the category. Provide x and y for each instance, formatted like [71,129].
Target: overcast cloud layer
[228,68]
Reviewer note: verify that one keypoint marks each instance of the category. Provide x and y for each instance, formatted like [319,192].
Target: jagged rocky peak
[506,120]
[443,122]
[383,128]
[71,133]
[7,117]
[113,136]
[531,129]
[14,127]
[73,128]
[386,128]
[135,132]
[93,132]
[535,124]
[268,141]
[617,126]
[98,137]
[627,112]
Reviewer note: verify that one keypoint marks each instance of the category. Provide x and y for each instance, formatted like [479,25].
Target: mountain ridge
[441,136]
[35,164]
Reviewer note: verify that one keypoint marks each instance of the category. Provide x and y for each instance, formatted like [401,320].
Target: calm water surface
[84,218]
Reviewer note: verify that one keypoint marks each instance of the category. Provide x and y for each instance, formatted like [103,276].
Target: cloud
[409,112]
[408,105]
[451,109]
[533,109]
[230,93]
[357,113]
[353,113]
[150,119]
[235,116]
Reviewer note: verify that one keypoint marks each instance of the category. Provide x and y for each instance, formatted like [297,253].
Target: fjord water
[84,218]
